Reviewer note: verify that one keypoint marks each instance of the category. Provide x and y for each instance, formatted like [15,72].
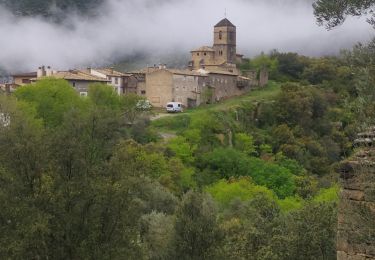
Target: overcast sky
[125,27]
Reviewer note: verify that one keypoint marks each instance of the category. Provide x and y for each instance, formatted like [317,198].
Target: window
[110,78]
[26,81]
[143,92]
[74,84]
[83,94]
[220,35]
[198,54]
[116,80]
[205,54]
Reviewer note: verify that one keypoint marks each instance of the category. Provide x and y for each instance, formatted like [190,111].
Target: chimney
[39,73]
[44,71]
[48,71]
[89,70]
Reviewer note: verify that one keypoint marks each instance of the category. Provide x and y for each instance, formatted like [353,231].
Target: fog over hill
[121,28]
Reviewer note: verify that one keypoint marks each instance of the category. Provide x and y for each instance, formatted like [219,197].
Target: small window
[198,54]
[116,80]
[143,92]
[74,84]
[220,35]
[83,94]
[205,54]
[110,78]
[26,81]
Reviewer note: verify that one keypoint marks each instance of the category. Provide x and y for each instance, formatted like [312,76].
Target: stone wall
[356,216]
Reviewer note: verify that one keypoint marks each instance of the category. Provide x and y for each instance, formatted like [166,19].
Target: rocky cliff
[356,219]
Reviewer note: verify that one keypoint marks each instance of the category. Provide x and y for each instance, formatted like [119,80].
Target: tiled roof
[224,23]
[111,72]
[76,75]
[29,74]
[186,72]
[212,71]
[204,48]
[222,72]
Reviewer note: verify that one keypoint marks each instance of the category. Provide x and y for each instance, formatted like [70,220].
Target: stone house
[162,85]
[22,79]
[227,84]
[122,83]
[79,80]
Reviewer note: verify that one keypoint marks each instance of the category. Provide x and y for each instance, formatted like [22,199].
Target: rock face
[356,218]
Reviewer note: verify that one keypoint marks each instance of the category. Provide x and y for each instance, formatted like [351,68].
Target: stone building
[79,80]
[223,54]
[122,83]
[161,85]
[22,79]
[356,216]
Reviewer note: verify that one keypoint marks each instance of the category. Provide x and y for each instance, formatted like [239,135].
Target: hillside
[51,8]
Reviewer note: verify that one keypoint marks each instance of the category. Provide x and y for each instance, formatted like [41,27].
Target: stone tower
[225,42]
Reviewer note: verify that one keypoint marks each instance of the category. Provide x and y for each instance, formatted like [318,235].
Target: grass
[178,122]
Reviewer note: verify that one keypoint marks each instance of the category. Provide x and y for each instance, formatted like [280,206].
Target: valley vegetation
[250,178]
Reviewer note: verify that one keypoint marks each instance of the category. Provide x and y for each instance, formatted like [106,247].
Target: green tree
[197,232]
[244,143]
[52,98]
[334,13]
[157,233]
[242,189]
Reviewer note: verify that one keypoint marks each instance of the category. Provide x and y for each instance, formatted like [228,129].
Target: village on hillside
[211,75]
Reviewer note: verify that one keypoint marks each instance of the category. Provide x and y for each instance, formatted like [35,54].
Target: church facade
[223,54]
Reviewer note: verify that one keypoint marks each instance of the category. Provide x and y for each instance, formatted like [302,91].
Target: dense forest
[252,178]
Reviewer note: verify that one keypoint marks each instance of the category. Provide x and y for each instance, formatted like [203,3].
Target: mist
[161,28]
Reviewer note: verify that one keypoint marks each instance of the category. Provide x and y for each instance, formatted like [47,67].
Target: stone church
[223,54]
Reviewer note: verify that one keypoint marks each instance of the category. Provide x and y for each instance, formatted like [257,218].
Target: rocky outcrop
[356,218]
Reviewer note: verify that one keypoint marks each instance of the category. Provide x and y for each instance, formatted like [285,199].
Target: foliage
[243,189]
[328,195]
[82,178]
[244,143]
[229,162]
[182,149]
[197,232]
[274,177]
[52,98]
[332,14]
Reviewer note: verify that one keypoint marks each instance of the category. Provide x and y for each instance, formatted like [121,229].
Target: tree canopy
[332,13]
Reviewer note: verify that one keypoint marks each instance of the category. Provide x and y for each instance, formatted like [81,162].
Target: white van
[174,107]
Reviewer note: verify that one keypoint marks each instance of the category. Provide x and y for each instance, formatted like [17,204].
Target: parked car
[173,107]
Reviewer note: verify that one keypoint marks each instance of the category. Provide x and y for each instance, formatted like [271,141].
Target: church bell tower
[225,42]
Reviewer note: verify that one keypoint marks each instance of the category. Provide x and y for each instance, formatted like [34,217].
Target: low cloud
[122,28]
